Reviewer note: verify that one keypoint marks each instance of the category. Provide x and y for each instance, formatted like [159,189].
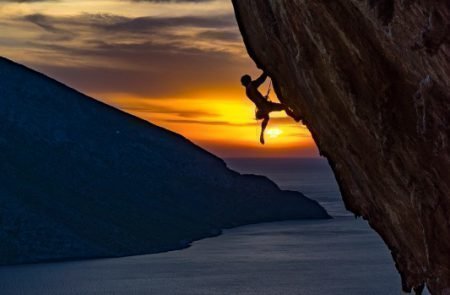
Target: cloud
[143,106]
[45,23]
[179,65]
[155,1]
[145,69]
[28,1]
[172,1]
[280,121]
[148,1]
[143,24]
[207,122]
[192,29]
[145,56]
[117,23]
[224,35]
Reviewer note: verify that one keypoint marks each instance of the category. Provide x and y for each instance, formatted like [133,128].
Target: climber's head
[245,80]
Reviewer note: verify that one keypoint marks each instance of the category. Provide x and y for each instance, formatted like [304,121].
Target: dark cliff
[81,179]
[371,80]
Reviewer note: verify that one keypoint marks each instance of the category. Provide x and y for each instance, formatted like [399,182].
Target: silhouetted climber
[263,105]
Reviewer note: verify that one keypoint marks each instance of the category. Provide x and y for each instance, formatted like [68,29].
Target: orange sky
[174,63]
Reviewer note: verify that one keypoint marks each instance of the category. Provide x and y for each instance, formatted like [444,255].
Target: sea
[340,256]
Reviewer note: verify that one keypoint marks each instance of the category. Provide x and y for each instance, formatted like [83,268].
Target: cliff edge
[371,80]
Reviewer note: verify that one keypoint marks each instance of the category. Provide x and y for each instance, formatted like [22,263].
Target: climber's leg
[293,115]
[263,128]
[275,107]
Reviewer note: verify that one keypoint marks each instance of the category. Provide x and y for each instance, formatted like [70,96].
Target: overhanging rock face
[371,79]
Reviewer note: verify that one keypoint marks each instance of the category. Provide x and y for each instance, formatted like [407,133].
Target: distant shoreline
[189,244]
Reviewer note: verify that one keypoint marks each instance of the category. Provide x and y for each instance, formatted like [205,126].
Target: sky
[174,63]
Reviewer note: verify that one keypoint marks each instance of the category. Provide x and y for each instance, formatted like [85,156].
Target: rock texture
[81,179]
[371,79]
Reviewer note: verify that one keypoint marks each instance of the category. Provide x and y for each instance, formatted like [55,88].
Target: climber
[263,105]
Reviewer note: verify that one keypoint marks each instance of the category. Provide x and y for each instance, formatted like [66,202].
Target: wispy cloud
[27,1]
[152,1]
[45,22]
[172,1]
[207,122]
[177,62]
[145,106]
[160,56]
[280,121]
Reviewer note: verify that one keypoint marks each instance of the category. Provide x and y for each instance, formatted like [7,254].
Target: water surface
[339,256]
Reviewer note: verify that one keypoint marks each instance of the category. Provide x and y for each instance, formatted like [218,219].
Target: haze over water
[311,176]
[339,256]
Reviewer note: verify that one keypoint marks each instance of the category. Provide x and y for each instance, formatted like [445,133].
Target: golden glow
[224,125]
[182,76]
[274,132]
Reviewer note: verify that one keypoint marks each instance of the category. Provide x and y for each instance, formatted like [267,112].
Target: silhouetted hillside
[81,179]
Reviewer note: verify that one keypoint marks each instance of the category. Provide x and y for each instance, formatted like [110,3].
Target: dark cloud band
[161,56]
[174,1]
[154,1]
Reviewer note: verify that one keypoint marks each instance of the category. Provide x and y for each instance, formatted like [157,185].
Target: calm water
[339,256]
[313,177]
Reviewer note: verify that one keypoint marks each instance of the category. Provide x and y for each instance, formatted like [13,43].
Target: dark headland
[81,179]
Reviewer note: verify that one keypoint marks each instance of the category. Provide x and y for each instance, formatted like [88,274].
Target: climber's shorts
[264,110]
[260,114]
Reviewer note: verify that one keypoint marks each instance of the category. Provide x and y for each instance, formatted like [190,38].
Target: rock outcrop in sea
[371,80]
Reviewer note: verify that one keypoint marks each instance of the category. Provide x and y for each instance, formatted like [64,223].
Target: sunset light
[176,64]
[224,147]
[274,132]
